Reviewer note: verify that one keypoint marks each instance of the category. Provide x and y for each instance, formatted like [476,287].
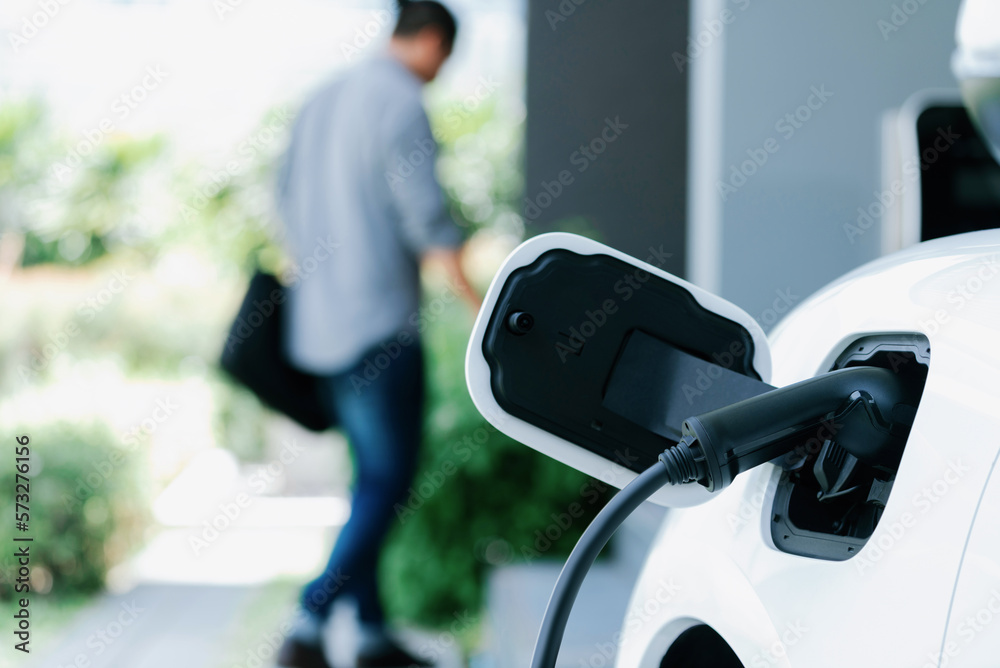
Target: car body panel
[896,602]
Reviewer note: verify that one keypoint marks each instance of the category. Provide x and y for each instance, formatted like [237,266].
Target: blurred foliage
[480,162]
[189,234]
[89,506]
[184,233]
[71,199]
[24,149]
[75,199]
[229,207]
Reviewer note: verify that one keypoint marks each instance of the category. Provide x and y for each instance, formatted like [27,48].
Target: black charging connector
[869,410]
[866,410]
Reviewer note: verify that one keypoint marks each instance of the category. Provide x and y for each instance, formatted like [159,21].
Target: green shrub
[88,505]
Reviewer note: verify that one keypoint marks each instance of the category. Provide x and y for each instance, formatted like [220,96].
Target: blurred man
[363,209]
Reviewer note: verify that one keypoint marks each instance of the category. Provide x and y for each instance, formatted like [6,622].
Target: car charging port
[829,501]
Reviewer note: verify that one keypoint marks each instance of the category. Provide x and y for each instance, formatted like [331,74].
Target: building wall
[780,234]
[591,62]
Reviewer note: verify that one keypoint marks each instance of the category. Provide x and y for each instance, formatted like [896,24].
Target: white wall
[783,230]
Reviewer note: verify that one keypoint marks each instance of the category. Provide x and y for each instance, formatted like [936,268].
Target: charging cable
[872,408]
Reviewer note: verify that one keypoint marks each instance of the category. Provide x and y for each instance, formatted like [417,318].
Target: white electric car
[924,588]
[833,488]
[815,558]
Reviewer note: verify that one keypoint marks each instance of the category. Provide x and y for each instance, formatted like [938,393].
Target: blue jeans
[379,404]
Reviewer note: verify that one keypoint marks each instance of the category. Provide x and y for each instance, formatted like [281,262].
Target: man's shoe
[297,654]
[391,655]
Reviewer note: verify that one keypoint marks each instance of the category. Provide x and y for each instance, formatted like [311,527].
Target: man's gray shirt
[361,204]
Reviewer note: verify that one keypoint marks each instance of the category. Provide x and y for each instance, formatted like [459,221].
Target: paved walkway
[152,626]
[186,625]
[221,602]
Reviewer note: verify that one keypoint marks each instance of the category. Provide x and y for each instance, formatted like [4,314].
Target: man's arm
[425,223]
[451,260]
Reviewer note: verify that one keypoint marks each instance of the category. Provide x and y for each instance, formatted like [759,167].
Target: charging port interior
[827,502]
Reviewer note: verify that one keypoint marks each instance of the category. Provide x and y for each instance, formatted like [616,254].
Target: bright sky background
[225,62]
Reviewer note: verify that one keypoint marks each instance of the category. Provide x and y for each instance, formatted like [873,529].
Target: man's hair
[416,15]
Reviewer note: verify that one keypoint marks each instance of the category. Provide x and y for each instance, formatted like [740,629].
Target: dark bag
[254,355]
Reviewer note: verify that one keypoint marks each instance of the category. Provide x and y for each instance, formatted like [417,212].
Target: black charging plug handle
[866,410]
